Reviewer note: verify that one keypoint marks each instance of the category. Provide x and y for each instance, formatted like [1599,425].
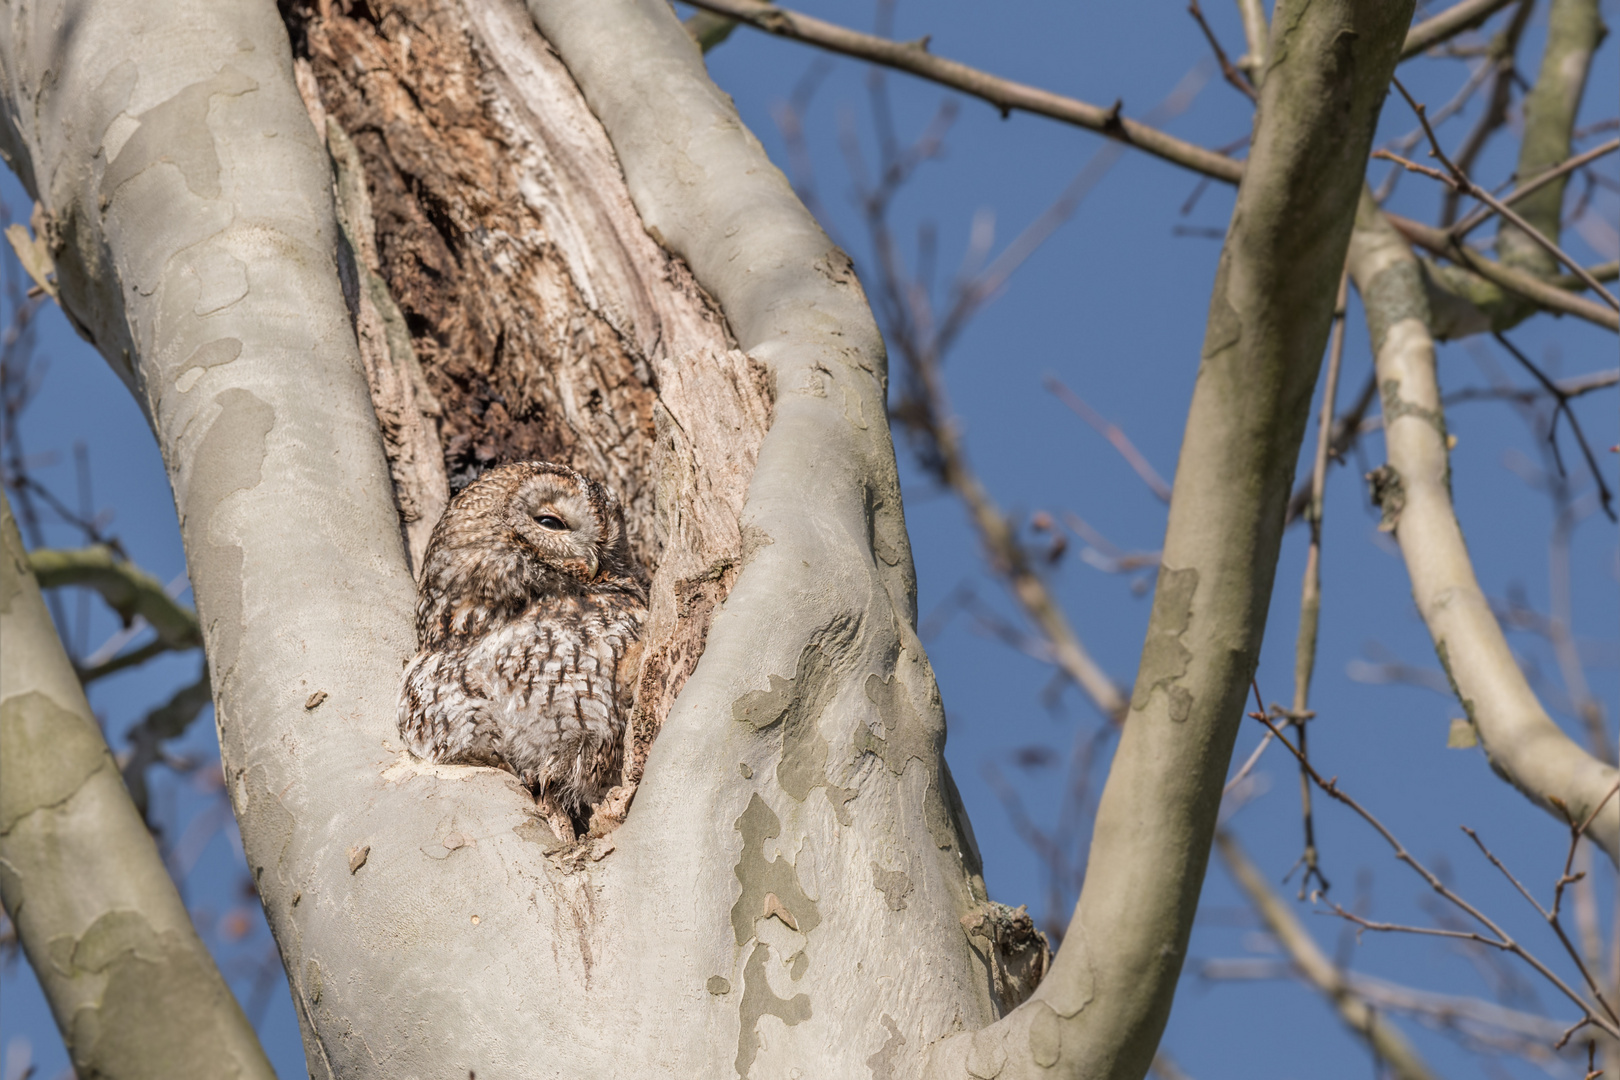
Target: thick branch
[1100,1011]
[1448,24]
[1523,743]
[1574,28]
[1488,309]
[127,588]
[132,987]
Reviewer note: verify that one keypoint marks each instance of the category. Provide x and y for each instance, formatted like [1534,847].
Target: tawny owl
[528,626]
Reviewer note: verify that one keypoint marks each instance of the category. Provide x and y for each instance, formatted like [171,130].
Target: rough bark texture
[132,987]
[1100,1011]
[546,322]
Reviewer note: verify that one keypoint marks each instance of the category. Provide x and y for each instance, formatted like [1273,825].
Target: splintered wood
[542,322]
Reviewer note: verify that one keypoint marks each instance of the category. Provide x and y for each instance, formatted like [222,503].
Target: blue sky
[1114,306]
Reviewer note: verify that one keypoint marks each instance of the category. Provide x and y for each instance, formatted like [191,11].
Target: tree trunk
[582,255]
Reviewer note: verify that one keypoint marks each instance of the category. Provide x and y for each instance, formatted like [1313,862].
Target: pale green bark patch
[175,132]
[796,706]
[214,353]
[906,735]
[1396,293]
[1045,1036]
[883,1062]
[229,458]
[67,748]
[895,885]
[151,979]
[758,1001]
[1164,656]
[767,885]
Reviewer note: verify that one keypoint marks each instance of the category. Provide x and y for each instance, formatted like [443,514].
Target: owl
[528,625]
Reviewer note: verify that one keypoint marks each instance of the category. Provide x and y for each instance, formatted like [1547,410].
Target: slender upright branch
[133,989]
[1310,592]
[1255,34]
[1100,1011]
[1574,28]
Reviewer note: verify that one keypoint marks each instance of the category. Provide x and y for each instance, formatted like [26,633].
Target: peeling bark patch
[1045,1036]
[214,353]
[882,1063]
[1467,703]
[176,132]
[908,736]
[1388,493]
[986,1056]
[760,1000]
[768,888]
[32,721]
[895,885]
[229,458]
[1225,325]
[1396,293]
[1164,657]
[718,985]
[151,978]
[795,705]
[1395,407]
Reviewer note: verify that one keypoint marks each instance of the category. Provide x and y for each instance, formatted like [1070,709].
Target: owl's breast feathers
[545,694]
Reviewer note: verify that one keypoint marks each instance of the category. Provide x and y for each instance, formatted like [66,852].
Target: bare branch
[1008,96]
[1228,70]
[1579,161]
[1448,24]
[1523,743]
[1105,1002]
[1383,1039]
[1497,938]
[1115,436]
[1545,294]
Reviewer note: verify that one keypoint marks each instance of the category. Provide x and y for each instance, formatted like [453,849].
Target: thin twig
[1455,177]
[1115,436]
[1310,593]
[1604,495]
[1542,293]
[1228,70]
[1005,94]
[1502,940]
[1483,213]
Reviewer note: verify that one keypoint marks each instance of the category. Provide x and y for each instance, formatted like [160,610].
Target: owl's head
[515,534]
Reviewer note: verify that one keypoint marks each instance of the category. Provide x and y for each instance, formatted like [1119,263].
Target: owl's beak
[591,566]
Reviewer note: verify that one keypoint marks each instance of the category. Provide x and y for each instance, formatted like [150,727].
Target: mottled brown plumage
[528,625]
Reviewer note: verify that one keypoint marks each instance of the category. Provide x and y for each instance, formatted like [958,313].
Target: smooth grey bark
[1523,744]
[132,987]
[789,888]
[1102,1008]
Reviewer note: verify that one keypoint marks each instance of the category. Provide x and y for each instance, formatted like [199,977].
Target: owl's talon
[557,817]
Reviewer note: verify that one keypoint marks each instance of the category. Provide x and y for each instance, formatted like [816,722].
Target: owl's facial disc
[559,523]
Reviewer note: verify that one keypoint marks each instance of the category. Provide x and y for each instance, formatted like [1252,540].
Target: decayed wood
[547,323]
